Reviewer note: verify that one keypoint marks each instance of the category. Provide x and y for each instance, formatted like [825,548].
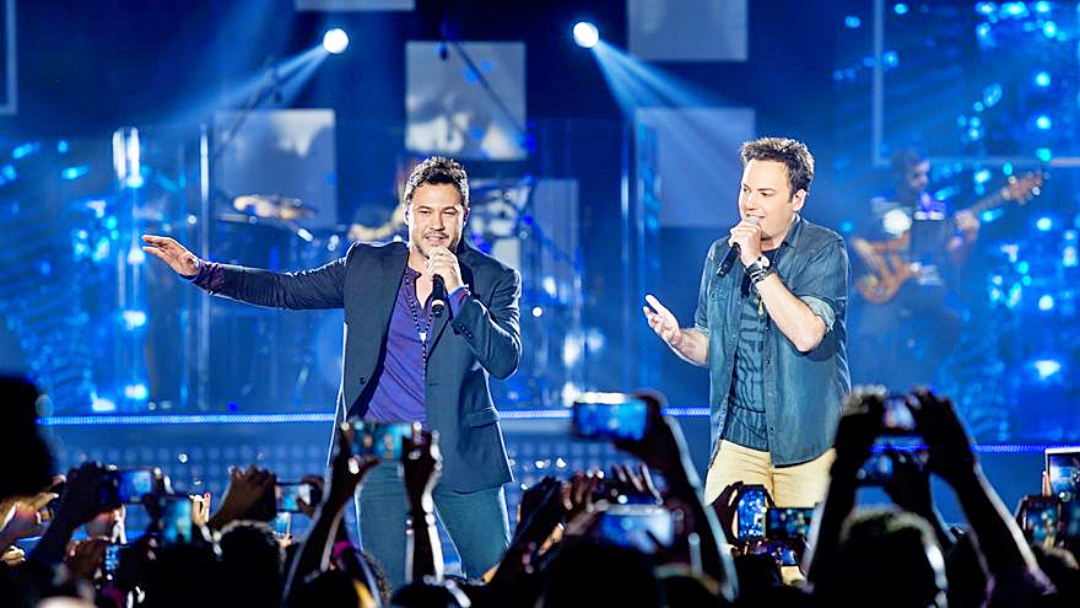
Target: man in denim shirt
[771,331]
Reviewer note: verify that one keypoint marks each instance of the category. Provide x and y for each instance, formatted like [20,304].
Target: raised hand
[247,490]
[859,427]
[441,261]
[951,455]
[634,484]
[182,261]
[422,467]
[662,321]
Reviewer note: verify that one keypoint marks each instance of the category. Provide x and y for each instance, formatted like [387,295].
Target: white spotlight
[335,41]
[585,34]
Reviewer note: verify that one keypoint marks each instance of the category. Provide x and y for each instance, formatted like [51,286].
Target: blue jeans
[476,522]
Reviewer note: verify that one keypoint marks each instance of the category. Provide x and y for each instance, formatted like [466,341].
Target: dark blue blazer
[482,338]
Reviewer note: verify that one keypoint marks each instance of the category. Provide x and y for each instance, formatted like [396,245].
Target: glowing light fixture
[335,41]
[586,35]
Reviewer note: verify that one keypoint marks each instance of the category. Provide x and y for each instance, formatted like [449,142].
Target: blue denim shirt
[803,392]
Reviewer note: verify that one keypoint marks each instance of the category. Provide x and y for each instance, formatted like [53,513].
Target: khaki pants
[800,485]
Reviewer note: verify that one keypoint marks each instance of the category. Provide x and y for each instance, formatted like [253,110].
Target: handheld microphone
[438,296]
[733,252]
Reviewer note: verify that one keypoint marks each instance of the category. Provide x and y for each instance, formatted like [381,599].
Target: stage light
[1046,303]
[1042,79]
[537,312]
[586,35]
[74,173]
[1046,368]
[1044,224]
[137,392]
[335,41]
[900,8]
[134,319]
[852,22]
[25,150]
[1050,29]
[1042,7]
[100,405]
[1044,154]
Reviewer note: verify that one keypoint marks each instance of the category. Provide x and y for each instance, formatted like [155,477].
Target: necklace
[422,317]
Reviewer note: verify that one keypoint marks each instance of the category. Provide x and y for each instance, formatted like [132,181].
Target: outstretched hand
[662,321]
[182,261]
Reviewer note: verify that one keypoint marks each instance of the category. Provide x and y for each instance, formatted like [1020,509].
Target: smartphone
[609,416]
[636,526]
[133,484]
[788,523]
[1063,469]
[877,470]
[897,418]
[289,495]
[282,524]
[113,556]
[176,524]
[1040,519]
[750,512]
[380,439]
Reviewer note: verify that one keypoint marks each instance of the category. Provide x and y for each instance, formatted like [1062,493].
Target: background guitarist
[907,256]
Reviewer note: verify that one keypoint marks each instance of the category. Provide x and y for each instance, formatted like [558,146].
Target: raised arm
[318,288]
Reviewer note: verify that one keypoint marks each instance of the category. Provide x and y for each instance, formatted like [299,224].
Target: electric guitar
[884,269]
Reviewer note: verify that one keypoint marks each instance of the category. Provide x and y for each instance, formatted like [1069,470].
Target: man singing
[770,327]
[426,323]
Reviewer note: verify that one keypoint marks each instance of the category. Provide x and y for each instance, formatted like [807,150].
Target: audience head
[35,469]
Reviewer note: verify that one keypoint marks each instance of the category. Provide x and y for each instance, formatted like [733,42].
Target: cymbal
[272,206]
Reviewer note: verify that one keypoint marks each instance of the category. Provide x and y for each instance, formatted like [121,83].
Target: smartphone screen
[788,522]
[609,416]
[636,526]
[113,555]
[897,418]
[750,514]
[133,484]
[176,524]
[289,496]
[1040,518]
[380,439]
[1063,469]
[877,470]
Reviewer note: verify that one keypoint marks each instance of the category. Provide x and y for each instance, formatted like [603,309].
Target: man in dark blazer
[426,323]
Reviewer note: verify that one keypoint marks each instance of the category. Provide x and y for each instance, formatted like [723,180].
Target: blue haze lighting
[1042,79]
[335,41]
[1044,224]
[586,35]
[852,22]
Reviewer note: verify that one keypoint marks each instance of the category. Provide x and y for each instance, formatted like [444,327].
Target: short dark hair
[905,159]
[794,154]
[438,170]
